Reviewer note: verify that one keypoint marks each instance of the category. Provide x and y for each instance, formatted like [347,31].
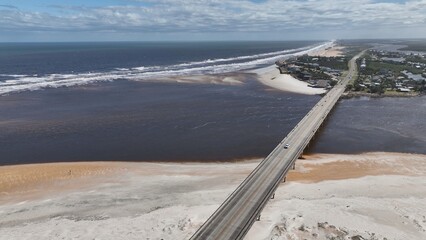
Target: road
[239,211]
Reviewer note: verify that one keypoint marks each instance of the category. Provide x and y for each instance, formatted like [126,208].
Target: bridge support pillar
[284,179]
[258,218]
[294,166]
[273,196]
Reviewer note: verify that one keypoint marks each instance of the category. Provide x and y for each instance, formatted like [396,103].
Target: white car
[286,146]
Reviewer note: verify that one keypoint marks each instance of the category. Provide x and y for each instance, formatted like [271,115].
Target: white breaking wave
[20,83]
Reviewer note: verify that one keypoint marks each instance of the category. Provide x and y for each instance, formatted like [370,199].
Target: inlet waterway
[90,102]
[135,121]
[374,124]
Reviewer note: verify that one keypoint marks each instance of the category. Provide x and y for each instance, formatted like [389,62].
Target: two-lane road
[236,215]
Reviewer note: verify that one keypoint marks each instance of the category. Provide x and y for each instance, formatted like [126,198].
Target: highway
[239,211]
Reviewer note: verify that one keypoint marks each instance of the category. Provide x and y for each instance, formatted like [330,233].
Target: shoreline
[64,171]
[270,76]
[349,95]
[132,199]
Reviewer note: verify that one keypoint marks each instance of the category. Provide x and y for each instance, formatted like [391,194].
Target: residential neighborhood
[384,72]
[379,72]
[319,72]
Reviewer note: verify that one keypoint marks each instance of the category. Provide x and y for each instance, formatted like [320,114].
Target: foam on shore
[19,83]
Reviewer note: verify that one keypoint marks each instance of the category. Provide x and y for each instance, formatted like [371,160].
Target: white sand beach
[332,51]
[271,77]
[328,196]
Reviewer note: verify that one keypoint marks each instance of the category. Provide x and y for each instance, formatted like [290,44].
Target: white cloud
[220,16]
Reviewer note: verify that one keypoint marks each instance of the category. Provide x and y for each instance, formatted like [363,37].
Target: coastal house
[412,76]
[403,90]
[280,63]
[293,69]
[283,69]
[323,83]
[363,64]
[305,76]
[393,59]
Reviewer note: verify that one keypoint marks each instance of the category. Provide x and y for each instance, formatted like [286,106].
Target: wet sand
[322,167]
[33,181]
[327,195]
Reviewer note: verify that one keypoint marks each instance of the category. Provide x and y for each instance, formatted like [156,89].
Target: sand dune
[372,195]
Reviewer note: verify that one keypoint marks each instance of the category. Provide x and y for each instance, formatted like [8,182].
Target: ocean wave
[19,83]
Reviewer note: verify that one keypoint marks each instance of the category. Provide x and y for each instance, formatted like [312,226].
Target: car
[286,146]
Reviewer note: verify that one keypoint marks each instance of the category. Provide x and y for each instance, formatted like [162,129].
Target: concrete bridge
[239,211]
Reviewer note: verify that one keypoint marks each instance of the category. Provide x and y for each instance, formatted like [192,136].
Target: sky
[205,20]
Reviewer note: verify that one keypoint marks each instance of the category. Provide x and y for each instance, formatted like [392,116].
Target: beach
[328,195]
[271,77]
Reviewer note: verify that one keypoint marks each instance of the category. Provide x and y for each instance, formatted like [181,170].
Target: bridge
[239,211]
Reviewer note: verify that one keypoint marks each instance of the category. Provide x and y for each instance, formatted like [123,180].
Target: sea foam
[20,83]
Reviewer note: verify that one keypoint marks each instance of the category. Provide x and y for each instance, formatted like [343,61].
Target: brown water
[131,121]
[375,124]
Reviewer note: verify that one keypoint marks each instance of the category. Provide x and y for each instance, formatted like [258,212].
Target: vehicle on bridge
[286,146]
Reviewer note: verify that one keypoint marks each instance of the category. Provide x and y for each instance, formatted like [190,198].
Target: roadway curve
[236,215]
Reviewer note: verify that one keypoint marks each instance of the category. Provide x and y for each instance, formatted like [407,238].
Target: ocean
[62,102]
[34,66]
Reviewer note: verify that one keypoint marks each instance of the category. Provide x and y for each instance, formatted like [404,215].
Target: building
[403,90]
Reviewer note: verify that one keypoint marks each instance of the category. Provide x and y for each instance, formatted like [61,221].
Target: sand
[332,51]
[372,195]
[35,180]
[271,77]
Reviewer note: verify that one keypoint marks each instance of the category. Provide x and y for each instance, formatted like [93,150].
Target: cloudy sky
[129,20]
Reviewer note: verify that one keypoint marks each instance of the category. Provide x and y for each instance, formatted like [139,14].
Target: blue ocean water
[35,66]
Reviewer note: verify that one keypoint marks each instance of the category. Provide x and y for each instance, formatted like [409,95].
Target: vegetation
[415,58]
[383,77]
[376,67]
[340,63]
[319,75]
